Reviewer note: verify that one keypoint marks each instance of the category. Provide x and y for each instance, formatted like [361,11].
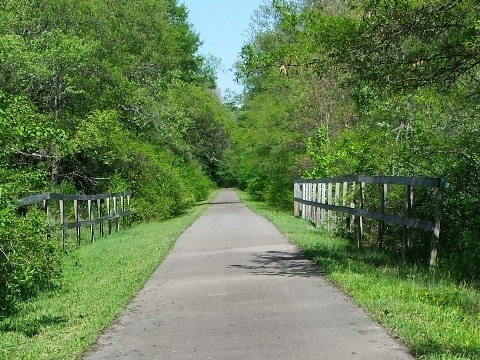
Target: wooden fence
[112,208]
[314,199]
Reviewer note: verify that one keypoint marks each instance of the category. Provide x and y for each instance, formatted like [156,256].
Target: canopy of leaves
[83,83]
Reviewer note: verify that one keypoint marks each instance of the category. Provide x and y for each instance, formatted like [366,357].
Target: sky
[223,28]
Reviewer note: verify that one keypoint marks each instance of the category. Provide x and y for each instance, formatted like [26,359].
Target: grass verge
[98,281]
[436,318]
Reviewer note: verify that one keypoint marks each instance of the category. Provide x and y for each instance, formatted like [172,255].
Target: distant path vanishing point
[234,288]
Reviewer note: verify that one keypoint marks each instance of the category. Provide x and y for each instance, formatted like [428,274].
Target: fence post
[311,198]
[408,213]
[329,202]
[309,207]
[383,204]
[337,196]
[122,205]
[324,190]
[62,220]
[352,205]
[76,207]
[304,196]
[46,207]
[312,208]
[100,215]
[128,209]
[295,203]
[115,210]
[109,212]
[360,218]
[438,215]
[90,218]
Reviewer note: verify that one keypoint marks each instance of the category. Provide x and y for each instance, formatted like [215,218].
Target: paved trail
[234,288]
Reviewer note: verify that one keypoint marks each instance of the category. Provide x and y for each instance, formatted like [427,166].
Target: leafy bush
[30,261]
[163,185]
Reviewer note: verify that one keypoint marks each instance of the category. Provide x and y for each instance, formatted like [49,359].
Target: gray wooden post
[337,196]
[408,214]
[46,207]
[76,207]
[438,215]
[295,203]
[304,196]
[329,202]
[115,211]
[122,205]
[360,218]
[62,220]
[352,205]
[324,190]
[100,215]
[128,209]
[109,212]
[309,207]
[90,218]
[381,224]
[312,208]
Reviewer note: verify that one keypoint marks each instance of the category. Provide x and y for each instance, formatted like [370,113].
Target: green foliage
[318,147]
[27,139]
[163,183]
[99,96]
[366,87]
[83,83]
[30,262]
[418,43]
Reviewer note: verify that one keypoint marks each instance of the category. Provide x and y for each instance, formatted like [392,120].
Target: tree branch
[38,155]
[3,252]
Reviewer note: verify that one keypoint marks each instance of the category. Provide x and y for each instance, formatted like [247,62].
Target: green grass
[98,281]
[436,318]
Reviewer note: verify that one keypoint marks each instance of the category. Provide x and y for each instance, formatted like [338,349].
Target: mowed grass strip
[435,317]
[98,281]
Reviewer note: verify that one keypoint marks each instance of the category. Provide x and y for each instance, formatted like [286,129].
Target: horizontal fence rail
[314,198]
[109,207]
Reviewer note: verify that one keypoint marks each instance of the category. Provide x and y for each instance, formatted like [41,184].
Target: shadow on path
[279,263]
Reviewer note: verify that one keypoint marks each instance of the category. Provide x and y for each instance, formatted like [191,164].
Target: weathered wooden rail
[109,207]
[314,199]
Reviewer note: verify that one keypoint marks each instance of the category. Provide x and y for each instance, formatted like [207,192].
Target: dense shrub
[29,261]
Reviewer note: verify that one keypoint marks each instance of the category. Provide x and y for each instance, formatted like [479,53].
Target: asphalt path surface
[234,288]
